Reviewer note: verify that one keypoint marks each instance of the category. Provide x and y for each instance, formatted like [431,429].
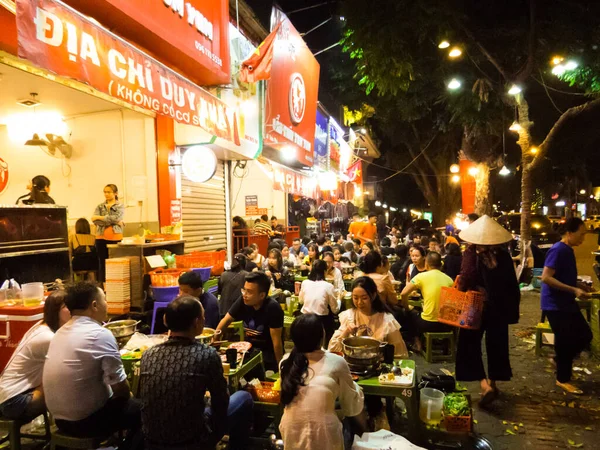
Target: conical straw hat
[486,231]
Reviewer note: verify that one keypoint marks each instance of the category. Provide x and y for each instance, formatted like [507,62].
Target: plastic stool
[156,306]
[14,435]
[444,336]
[540,329]
[60,439]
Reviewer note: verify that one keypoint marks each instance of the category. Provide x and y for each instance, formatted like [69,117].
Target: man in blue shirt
[298,247]
[190,283]
[560,289]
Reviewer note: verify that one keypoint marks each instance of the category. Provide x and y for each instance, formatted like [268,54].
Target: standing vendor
[108,218]
[262,317]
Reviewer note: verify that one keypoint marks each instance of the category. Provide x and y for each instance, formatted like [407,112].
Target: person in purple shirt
[560,289]
[190,283]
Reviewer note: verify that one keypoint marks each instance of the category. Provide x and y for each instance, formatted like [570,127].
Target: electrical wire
[558,90]
[414,159]
[548,94]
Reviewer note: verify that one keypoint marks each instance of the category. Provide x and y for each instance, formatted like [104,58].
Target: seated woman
[334,274]
[337,256]
[313,255]
[374,267]
[417,256]
[368,317]
[83,248]
[311,381]
[21,392]
[289,260]
[277,272]
[250,255]
[350,253]
[366,248]
[231,283]
[318,297]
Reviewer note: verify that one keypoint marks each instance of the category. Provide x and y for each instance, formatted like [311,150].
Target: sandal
[569,388]
[487,398]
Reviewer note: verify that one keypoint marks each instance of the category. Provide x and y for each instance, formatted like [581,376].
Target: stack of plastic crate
[118,285]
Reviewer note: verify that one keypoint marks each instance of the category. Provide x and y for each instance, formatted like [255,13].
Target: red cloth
[258,65]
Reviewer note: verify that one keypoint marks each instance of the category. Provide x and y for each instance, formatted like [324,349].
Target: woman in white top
[368,317]
[373,266]
[333,273]
[21,392]
[311,380]
[318,297]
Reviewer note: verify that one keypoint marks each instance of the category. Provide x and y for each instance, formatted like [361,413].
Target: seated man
[190,283]
[430,284]
[84,381]
[262,317]
[175,376]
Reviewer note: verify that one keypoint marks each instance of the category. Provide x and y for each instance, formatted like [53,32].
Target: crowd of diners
[70,365]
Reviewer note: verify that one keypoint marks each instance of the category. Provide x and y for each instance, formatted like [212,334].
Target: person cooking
[108,218]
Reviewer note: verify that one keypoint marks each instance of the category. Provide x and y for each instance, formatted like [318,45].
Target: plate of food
[403,378]
[241,347]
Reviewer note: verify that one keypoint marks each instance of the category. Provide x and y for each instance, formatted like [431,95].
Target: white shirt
[338,280]
[83,362]
[316,296]
[310,421]
[25,368]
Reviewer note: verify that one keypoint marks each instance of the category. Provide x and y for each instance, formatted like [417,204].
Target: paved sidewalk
[531,413]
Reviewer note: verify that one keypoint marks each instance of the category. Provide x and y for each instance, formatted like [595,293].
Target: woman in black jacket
[231,283]
[452,260]
[487,267]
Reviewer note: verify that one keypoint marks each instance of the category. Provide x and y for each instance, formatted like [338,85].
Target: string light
[455,178]
[557,60]
[504,171]
[571,65]
[454,84]
[558,70]
[444,44]
[454,168]
[533,150]
[514,90]
[515,127]
[473,171]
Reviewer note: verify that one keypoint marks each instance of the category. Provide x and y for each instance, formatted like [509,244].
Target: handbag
[461,309]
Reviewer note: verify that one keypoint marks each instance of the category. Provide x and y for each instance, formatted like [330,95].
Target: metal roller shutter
[203,213]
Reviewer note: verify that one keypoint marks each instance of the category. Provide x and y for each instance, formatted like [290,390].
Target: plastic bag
[382,440]
[10,292]
[139,340]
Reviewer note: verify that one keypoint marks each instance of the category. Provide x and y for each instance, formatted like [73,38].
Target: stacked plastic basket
[118,285]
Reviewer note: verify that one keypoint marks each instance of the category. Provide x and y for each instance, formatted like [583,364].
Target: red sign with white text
[3,175]
[57,38]
[190,35]
[294,183]
[291,105]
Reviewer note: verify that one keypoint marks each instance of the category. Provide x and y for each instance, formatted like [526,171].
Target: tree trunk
[483,203]
[526,159]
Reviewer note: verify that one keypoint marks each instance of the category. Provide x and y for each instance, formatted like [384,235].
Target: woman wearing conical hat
[488,267]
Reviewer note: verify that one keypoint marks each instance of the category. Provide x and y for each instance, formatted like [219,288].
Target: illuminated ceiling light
[515,127]
[582,192]
[504,171]
[557,60]
[560,203]
[534,150]
[454,84]
[288,153]
[559,70]
[454,168]
[455,178]
[473,171]
[514,90]
[377,203]
[444,44]
[571,65]
[455,52]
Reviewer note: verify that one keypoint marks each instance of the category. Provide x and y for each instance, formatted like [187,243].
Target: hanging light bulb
[455,178]
[571,65]
[504,171]
[514,90]
[454,168]
[515,127]
[473,171]
[455,52]
[444,44]
[533,150]
[454,84]
[559,70]
[557,60]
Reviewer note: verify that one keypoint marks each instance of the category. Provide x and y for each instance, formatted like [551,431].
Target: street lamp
[444,44]
[454,84]
[455,52]
[571,65]
[504,171]
[514,90]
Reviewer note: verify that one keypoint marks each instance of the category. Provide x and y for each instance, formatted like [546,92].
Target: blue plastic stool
[156,306]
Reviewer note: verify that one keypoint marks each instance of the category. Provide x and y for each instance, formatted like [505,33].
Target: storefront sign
[292,91]
[176,210]
[336,137]
[199,164]
[294,183]
[59,39]
[188,34]
[321,152]
[3,175]
[252,208]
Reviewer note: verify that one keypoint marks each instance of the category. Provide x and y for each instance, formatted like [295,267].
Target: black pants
[469,359]
[102,250]
[572,334]
[117,414]
[328,322]
[425,326]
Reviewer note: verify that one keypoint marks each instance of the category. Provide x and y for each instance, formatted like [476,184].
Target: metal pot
[363,348]
[208,336]
[122,328]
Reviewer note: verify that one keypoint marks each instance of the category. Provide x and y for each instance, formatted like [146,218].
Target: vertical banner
[468,186]
[321,134]
[336,137]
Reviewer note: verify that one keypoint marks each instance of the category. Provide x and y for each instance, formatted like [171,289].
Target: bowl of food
[122,328]
[208,336]
[363,348]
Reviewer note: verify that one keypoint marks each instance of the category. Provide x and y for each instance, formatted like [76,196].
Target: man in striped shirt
[263,227]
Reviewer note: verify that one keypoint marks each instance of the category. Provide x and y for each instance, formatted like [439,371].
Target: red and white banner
[58,38]
[294,183]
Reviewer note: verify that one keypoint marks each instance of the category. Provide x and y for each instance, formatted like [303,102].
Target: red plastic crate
[216,260]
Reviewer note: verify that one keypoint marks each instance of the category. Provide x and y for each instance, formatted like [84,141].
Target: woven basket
[461,309]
